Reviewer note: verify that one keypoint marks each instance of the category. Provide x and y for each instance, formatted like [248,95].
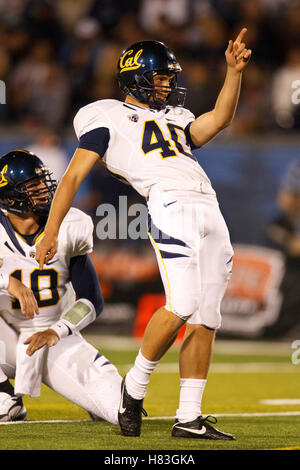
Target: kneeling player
[67,364]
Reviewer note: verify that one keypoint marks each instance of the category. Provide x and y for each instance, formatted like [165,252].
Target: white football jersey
[145,146]
[51,285]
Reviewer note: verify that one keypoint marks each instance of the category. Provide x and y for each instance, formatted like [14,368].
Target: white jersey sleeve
[93,127]
[77,233]
[90,117]
[187,117]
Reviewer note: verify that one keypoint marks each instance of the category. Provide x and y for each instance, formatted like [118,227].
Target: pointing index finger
[40,258]
[241,35]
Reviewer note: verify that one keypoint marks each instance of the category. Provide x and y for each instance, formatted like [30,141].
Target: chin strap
[81,314]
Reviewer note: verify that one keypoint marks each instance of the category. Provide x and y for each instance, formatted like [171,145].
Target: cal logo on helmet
[3,180]
[130,62]
[137,66]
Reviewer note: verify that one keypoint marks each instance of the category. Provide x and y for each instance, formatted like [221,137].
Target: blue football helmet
[137,66]
[18,170]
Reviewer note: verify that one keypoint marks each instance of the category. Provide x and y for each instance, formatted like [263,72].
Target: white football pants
[74,369]
[193,250]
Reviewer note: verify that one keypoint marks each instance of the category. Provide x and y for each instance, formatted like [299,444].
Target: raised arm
[207,126]
[79,167]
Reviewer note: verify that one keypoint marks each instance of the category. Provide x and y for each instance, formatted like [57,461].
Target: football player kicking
[40,334]
[147,141]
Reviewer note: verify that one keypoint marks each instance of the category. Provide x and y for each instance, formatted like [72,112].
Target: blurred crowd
[284,233]
[58,55]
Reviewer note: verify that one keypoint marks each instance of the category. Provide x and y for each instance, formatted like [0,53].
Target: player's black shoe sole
[200,429]
[130,413]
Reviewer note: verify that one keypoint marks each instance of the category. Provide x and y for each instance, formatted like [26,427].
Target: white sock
[138,377]
[191,392]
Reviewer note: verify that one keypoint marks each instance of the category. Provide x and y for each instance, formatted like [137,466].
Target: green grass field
[244,377]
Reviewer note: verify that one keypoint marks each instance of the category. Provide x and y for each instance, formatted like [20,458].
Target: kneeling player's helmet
[137,66]
[19,170]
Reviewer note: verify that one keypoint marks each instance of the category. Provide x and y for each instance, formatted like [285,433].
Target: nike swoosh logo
[121,409]
[194,431]
[169,203]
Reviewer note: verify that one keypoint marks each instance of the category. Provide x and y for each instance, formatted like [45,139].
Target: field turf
[244,377]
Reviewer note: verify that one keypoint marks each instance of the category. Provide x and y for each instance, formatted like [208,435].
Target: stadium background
[56,56]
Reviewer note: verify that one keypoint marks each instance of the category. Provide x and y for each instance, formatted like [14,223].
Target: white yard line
[51,421]
[228,368]
[280,401]
[224,346]
[156,418]
[239,415]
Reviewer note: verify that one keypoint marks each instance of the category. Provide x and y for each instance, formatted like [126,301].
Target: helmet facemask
[146,91]
[31,198]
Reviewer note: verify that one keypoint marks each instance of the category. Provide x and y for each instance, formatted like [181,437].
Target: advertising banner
[133,291]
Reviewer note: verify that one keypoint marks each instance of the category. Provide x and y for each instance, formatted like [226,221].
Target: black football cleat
[12,408]
[130,413]
[200,429]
